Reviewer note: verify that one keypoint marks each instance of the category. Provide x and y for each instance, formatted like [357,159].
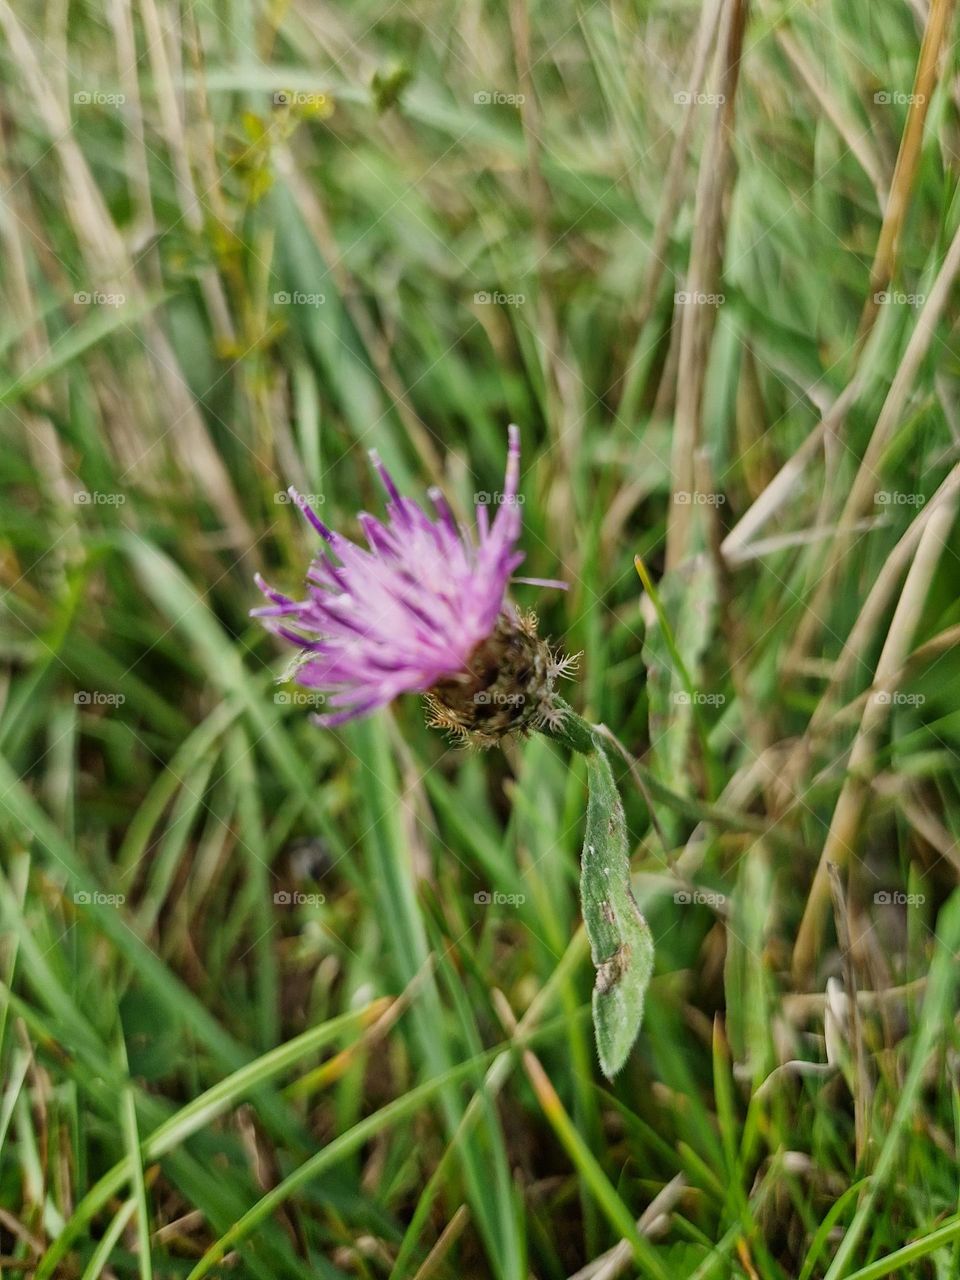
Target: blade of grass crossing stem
[131,1140]
[472,836]
[696,1128]
[165,857]
[164,788]
[494,1080]
[603,1190]
[222,1200]
[38,965]
[718,1259]
[187,611]
[14,1076]
[934,1018]
[894,1263]
[23,809]
[18,881]
[101,1254]
[729,1126]
[499,1181]
[242,1083]
[239,758]
[343,1145]
[405,935]
[830,1219]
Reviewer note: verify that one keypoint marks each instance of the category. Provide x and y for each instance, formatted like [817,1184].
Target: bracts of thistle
[423,608]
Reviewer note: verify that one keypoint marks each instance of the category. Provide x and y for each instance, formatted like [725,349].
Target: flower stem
[573,731]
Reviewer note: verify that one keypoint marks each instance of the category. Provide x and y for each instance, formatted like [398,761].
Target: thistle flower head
[421,609]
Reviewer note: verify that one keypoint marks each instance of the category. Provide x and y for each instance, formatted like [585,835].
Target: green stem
[580,735]
[575,732]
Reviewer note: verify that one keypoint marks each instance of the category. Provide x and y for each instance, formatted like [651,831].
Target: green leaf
[620,940]
[621,944]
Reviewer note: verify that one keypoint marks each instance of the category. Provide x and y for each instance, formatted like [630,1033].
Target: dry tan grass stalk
[449,1236]
[800,1006]
[706,253]
[863,1089]
[939,21]
[43,441]
[860,497]
[617,1260]
[783,486]
[111,267]
[676,168]
[867,623]
[848,128]
[755,448]
[566,433]
[917,813]
[845,824]
[120,16]
[175,137]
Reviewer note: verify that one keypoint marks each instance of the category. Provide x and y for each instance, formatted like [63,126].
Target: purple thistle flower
[421,609]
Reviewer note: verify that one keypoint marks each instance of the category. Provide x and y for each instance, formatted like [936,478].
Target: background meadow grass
[280,1002]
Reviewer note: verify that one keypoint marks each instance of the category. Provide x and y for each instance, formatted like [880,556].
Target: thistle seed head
[507,685]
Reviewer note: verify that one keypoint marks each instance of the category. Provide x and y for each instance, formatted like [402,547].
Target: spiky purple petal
[408,609]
